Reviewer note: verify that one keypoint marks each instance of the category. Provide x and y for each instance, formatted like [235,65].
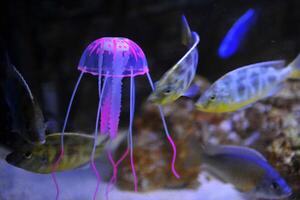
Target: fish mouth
[288,193]
[153,99]
[201,107]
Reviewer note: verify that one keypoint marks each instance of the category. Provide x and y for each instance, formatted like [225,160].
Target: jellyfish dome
[115,56]
[111,59]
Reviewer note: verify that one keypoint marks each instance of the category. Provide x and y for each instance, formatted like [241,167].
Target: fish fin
[192,91]
[23,82]
[212,172]
[84,167]
[275,90]
[296,68]
[117,141]
[232,149]
[246,106]
[187,38]
[102,139]
[51,126]
[69,134]
[278,64]
[156,84]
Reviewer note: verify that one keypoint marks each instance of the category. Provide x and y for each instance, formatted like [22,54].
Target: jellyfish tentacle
[166,132]
[130,141]
[113,178]
[96,134]
[100,94]
[115,165]
[61,154]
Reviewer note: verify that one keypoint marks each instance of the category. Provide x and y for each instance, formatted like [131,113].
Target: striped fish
[176,81]
[40,158]
[246,85]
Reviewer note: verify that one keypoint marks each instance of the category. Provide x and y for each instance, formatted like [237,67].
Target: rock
[271,126]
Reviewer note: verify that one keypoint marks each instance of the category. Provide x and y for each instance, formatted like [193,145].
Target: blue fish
[236,34]
[246,169]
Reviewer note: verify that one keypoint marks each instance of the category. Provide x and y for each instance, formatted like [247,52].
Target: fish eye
[167,91]
[212,97]
[275,185]
[27,155]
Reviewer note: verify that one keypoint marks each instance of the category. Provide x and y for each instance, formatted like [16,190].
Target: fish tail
[295,65]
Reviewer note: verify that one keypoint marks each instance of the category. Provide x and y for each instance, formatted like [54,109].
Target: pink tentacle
[166,132]
[53,175]
[173,157]
[93,166]
[113,179]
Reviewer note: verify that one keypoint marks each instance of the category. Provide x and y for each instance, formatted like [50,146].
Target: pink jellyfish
[112,59]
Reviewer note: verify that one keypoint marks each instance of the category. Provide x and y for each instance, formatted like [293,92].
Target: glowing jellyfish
[112,59]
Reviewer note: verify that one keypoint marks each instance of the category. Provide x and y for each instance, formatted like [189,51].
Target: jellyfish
[111,59]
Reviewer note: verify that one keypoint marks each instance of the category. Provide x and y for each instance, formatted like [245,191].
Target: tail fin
[296,68]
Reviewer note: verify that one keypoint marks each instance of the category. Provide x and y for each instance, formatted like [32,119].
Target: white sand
[17,184]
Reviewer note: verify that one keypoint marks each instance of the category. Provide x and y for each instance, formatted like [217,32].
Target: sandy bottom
[80,184]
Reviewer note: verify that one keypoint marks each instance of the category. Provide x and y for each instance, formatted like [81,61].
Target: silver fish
[246,169]
[176,81]
[246,85]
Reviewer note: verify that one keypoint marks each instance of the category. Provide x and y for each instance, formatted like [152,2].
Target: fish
[26,115]
[77,150]
[176,81]
[236,34]
[246,169]
[242,87]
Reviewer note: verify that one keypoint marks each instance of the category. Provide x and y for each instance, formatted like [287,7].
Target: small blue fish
[246,169]
[236,34]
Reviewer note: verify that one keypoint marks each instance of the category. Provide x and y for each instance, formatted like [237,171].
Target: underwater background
[45,40]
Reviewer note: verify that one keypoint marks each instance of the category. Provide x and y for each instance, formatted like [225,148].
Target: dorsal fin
[23,82]
[274,63]
[233,150]
[186,33]
[11,69]
[101,138]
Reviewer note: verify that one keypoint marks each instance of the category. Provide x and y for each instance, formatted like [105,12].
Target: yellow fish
[40,158]
[246,85]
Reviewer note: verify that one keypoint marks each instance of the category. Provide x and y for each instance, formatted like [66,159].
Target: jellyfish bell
[111,54]
[112,59]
